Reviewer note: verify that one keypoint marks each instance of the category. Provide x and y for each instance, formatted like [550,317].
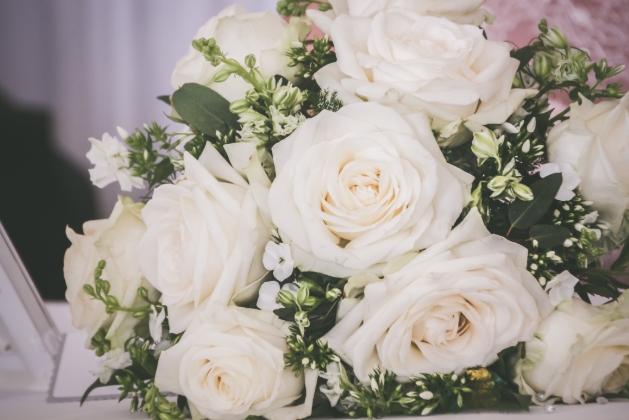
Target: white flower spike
[277,258]
[561,287]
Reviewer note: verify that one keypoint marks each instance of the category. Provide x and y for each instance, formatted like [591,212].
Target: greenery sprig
[312,56]
[298,7]
[100,291]
[425,394]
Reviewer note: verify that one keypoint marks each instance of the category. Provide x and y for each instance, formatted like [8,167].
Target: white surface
[33,406]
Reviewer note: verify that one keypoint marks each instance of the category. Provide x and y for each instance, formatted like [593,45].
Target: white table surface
[33,406]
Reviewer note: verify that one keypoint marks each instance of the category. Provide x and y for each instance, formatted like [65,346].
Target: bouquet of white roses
[388,219]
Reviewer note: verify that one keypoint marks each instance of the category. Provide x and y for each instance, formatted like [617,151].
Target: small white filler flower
[561,287]
[112,361]
[110,158]
[277,258]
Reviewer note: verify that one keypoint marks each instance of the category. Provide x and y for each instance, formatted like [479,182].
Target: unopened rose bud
[333,294]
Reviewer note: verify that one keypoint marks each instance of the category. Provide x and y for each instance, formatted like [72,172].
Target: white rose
[459,11]
[114,240]
[230,365]
[579,353]
[414,62]
[595,141]
[456,305]
[357,188]
[205,238]
[265,35]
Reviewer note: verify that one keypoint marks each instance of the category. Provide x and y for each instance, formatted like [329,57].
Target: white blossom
[332,389]
[561,287]
[571,179]
[111,163]
[112,361]
[267,297]
[277,258]
[155,323]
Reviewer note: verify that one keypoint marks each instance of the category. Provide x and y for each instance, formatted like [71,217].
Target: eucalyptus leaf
[549,236]
[165,99]
[622,263]
[203,109]
[524,214]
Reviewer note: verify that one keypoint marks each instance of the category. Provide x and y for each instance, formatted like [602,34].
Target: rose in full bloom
[413,62]
[230,365]
[205,238]
[114,240]
[455,305]
[265,35]
[595,141]
[578,353]
[359,187]
[459,11]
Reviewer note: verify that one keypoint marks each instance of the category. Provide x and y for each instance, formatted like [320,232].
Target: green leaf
[163,170]
[524,55]
[165,99]
[95,385]
[203,109]
[524,214]
[622,263]
[523,401]
[549,236]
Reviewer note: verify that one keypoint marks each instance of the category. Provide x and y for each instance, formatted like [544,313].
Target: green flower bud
[89,290]
[287,299]
[498,184]
[523,192]
[333,294]
[252,95]
[250,61]
[222,75]
[301,319]
[239,106]
[485,146]
[102,264]
[555,38]
[542,66]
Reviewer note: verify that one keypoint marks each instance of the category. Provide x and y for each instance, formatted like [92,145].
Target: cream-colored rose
[413,62]
[359,187]
[230,365]
[265,35]
[578,353]
[595,141]
[205,238]
[459,11]
[455,305]
[114,240]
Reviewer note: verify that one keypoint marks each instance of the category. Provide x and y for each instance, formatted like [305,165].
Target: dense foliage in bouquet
[392,218]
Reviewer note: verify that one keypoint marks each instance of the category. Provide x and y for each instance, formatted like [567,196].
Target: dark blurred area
[40,194]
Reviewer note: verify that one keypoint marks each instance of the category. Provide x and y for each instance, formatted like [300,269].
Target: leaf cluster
[148,155]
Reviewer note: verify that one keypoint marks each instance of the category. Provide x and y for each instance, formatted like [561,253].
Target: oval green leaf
[549,236]
[524,214]
[203,109]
